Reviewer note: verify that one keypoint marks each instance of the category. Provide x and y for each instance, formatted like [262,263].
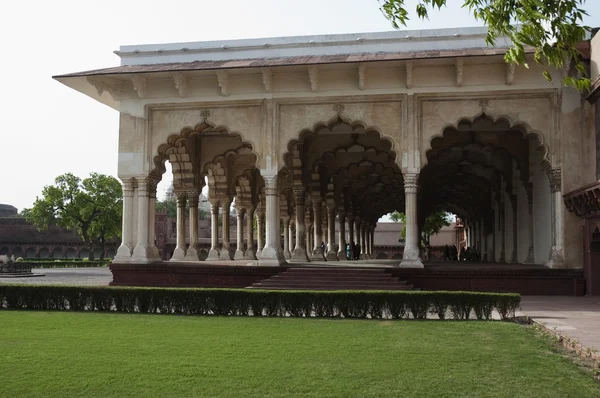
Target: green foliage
[433,224]
[169,206]
[245,302]
[93,207]
[551,27]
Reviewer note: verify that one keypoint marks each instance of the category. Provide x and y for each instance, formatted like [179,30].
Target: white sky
[49,129]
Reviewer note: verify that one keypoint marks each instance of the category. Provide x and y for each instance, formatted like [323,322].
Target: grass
[92,354]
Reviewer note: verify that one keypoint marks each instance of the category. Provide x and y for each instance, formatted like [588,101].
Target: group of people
[466,254]
[353,251]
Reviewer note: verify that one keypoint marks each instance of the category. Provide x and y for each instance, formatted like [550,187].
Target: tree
[433,224]
[169,206]
[93,207]
[551,27]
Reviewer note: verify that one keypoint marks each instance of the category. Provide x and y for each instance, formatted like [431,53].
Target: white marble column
[363,241]
[286,237]
[351,238]
[239,251]
[318,254]
[124,252]
[309,232]
[502,258]
[179,252]
[142,252]
[260,229]
[152,220]
[514,258]
[342,236]
[411,258]
[556,256]
[192,251]
[291,236]
[331,252]
[530,252]
[373,241]
[272,253]
[213,253]
[299,253]
[250,253]
[225,254]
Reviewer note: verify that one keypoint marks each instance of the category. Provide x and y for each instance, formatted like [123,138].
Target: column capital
[271,185]
[554,175]
[181,198]
[411,182]
[128,187]
[194,197]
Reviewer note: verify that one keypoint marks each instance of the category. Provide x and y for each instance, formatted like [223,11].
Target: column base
[249,254]
[556,259]
[143,255]
[415,263]
[318,255]
[213,255]
[530,257]
[331,256]
[239,255]
[123,254]
[178,254]
[513,258]
[155,251]
[191,254]
[225,255]
[341,255]
[299,255]
[272,256]
[287,255]
[258,254]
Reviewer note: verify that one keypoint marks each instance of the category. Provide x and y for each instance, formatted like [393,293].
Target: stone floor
[575,317]
[97,276]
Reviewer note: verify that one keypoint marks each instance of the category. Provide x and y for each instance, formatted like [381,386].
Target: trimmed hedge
[254,302]
[66,264]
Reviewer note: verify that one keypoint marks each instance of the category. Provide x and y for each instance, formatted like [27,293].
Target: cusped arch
[527,131]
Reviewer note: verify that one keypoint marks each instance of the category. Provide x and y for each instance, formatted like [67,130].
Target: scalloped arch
[527,131]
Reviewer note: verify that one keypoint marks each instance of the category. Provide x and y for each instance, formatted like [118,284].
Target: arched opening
[4,251]
[343,173]
[491,174]
[30,252]
[71,253]
[57,252]
[44,253]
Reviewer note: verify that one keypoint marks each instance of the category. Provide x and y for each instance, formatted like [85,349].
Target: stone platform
[493,277]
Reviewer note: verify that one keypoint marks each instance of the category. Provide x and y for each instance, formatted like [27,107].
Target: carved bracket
[181,83]
[139,85]
[115,90]
[510,74]
[313,77]
[223,80]
[459,72]
[362,76]
[409,74]
[267,76]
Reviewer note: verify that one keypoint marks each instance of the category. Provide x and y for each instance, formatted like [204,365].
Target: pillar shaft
[272,253]
[213,253]
[250,249]
[291,237]
[556,257]
[286,237]
[152,220]
[180,249]
[342,236]
[351,238]
[502,258]
[530,252]
[318,254]
[514,258]
[239,251]
[192,251]
[126,248]
[299,253]
[331,251]
[260,230]
[363,241]
[411,257]
[225,253]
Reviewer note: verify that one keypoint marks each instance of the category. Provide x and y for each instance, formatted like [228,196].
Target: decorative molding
[338,108]
[484,103]
[181,198]
[299,195]
[224,82]
[554,175]
[409,74]
[193,197]
[128,187]
[362,76]
[115,90]
[510,74]
[205,114]
[267,76]
[140,85]
[411,182]
[181,83]
[271,183]
[459,72]
[313,77]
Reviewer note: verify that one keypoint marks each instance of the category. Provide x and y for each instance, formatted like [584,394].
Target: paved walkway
[575,317]
[96,276]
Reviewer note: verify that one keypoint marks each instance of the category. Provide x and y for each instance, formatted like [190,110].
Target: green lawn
[91,354]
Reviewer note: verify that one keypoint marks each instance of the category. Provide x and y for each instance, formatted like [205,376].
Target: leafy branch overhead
[552,28]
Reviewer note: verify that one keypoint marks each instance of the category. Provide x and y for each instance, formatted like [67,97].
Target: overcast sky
[49,129]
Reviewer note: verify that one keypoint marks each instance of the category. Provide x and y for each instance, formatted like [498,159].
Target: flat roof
[302,50]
